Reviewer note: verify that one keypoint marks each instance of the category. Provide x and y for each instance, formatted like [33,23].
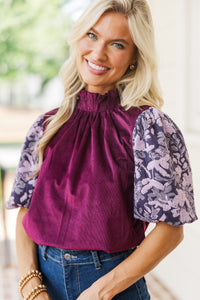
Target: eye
[118,45]
[92,36]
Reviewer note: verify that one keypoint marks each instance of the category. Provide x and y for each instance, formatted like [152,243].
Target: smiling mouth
[96,67]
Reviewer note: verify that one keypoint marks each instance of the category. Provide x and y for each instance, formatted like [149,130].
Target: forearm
[158,244]
[27,255]
[26,248]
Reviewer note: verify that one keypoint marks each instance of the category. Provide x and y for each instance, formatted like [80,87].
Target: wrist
[105,287]
[43,296]
[114,283]
[31,285]
[38,290]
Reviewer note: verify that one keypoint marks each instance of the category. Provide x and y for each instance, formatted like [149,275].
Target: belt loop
[96,260]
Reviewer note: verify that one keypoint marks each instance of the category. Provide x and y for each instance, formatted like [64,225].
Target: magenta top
[106,174]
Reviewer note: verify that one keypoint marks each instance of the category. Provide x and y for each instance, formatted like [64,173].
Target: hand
[89,294]
[94,292]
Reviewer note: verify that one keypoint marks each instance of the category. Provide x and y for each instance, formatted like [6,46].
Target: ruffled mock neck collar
[97,102]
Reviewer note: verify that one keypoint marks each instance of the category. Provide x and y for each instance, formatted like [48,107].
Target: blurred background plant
[32,46]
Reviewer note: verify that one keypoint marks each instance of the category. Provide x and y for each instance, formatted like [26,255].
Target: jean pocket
[48,252]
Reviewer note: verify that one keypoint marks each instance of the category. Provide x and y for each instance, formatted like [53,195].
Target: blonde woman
[108,163]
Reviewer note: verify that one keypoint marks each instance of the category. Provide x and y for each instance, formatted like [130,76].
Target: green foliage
[33,37]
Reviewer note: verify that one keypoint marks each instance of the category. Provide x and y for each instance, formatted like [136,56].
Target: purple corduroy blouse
[106,174]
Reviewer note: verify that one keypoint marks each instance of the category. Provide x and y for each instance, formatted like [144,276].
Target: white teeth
[96,67]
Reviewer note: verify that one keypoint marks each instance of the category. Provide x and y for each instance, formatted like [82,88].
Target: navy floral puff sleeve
[163,180]
[24,182]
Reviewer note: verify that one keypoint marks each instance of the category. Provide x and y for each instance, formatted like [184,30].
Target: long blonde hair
[137,88]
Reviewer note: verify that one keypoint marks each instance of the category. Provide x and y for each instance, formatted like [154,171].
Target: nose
[99,51]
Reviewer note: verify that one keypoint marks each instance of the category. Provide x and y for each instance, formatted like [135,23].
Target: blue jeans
[67,273]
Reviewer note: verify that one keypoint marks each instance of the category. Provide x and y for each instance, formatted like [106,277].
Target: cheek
[121,62]
[83,47]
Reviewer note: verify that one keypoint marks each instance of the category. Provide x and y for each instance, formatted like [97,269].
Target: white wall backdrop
[177,28]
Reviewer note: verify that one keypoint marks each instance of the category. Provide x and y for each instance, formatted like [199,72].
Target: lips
[97,67]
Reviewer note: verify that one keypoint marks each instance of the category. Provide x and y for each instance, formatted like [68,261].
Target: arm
[158,244]
[27,255]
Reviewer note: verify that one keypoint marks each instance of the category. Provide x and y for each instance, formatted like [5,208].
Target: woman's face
[105,53]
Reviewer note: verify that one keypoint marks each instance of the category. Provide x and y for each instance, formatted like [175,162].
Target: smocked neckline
[89,101]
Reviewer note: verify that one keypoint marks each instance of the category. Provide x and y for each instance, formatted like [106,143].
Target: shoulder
[152,116]
[37,127]
[50,113]
[36,130]
[47,115]
[153,123]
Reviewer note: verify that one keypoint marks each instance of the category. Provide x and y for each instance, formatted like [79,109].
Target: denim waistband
[69,257]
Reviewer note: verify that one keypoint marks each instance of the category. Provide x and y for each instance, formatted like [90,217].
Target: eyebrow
[115,40]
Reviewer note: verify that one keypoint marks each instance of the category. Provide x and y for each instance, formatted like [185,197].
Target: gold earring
[132,67]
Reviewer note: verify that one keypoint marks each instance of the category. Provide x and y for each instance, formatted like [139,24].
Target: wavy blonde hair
[137,88]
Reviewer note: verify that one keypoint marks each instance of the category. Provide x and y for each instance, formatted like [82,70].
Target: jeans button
[67,256]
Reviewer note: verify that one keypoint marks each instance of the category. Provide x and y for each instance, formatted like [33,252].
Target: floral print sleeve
[24,183]
[163,181]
